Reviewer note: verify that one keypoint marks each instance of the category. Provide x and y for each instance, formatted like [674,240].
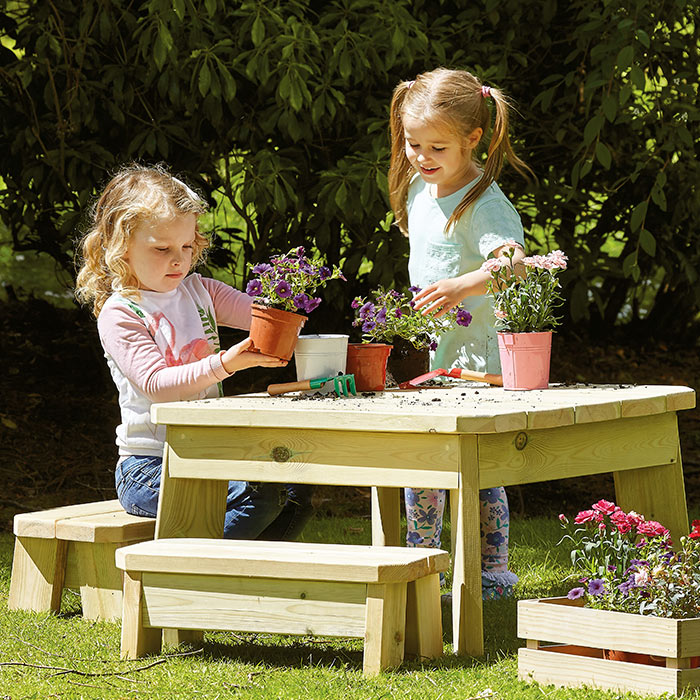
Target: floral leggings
[424,512]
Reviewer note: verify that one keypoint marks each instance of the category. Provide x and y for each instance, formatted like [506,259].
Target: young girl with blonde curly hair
[158,325]
[448,204]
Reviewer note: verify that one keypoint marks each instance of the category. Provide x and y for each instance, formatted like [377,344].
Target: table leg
[386,516]
[194,507]
[657,493]
[467,608]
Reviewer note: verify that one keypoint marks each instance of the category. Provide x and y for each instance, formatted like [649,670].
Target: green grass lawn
[45,656]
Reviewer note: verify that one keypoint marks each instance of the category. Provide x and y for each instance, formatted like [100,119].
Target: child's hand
[238,357]
[443,295]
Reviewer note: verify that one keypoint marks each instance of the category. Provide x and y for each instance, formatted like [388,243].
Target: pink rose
[558,259]
[585,516]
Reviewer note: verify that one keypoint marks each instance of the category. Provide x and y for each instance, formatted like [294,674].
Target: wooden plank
[386,517]
[297,560]
[384,627]
[424,618]
[117,526]
[136,640]
[579,450]
[557,620]
[680,400]
[100,580]
[313,456]
[43,523]
[467,613]
[658,493]
[38,573]
[189,507]
[190,601]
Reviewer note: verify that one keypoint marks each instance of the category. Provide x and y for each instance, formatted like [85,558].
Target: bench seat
[389,596]
[73,547]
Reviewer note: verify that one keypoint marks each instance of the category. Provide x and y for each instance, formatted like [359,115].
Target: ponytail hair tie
[410,84]
[485,91]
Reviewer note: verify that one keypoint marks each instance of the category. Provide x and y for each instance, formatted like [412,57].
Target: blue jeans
[253,510]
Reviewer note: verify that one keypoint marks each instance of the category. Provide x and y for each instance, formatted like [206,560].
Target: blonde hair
[457,101]
[136,194]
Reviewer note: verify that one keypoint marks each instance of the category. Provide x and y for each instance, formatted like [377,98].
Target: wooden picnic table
[463,438]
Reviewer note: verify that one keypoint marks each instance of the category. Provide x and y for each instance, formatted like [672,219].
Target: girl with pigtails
[446,200]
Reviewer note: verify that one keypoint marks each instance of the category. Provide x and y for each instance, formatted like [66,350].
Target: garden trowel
[342,385]
[457,373]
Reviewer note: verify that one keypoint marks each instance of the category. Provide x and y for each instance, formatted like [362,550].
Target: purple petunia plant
[290,281]
[626,563]
[525,303]
[389,314]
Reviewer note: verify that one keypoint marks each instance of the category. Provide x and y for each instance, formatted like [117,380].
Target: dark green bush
[280,106]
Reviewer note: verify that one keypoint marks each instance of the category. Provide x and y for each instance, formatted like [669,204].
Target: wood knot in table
[281,453]
[520,441]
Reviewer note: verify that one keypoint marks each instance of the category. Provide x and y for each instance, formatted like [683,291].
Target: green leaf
[638,215]
[648,242]
[625,57]
[257,33]
[592,129]
[643,38]
[628,263]
[341,195]
[179,8]
[638,78]
[602,153]
[610,107]
[204,79]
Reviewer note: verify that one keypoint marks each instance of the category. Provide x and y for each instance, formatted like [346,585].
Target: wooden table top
[457,408]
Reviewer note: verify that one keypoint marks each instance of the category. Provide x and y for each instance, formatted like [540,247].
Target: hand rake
[342,385]
[456,372]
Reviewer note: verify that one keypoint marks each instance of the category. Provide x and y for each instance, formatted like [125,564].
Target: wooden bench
[73,547]
[385,595]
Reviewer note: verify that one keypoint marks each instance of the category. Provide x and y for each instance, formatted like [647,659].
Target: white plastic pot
[318,356]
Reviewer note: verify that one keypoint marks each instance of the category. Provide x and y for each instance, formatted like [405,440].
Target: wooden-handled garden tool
[457,373]
[343,384]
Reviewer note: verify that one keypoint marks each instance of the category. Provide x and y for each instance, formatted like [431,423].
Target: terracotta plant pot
[274,331]
[406,362]
[367,361]
[525,359]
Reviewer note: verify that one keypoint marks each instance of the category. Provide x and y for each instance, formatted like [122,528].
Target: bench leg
[137,640]
[38,573]
[424,618]
[100,579]
[173,637]
[385,627]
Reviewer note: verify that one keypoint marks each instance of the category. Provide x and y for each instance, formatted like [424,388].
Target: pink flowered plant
[627,563]
[525,303]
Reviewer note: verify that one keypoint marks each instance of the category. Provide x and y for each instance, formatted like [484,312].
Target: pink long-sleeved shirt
[165,347]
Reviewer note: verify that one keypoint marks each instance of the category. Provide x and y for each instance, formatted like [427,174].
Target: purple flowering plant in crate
[389,314]
[290,281]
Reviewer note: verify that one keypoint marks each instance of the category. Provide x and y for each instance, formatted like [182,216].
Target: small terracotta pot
[367,361]
[525,359]
[275,331]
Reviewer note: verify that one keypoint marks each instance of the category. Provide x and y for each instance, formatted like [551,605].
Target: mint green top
[488,224]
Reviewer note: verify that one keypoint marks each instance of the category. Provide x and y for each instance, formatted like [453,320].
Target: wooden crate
[581,634]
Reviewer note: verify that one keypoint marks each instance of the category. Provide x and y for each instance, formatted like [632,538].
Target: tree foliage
[280,108]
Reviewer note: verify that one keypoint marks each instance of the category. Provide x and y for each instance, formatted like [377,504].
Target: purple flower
[365,310]
[301,301]
[414,289]
[324,273]
[596,587]
[356,303]
[433,345]
[300,250]
[283,289]
[254,288]
[262,269]
[380,318]
[307,267]
[311,304]
[464,318]
[575,593]
[398,313]
[368,325]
